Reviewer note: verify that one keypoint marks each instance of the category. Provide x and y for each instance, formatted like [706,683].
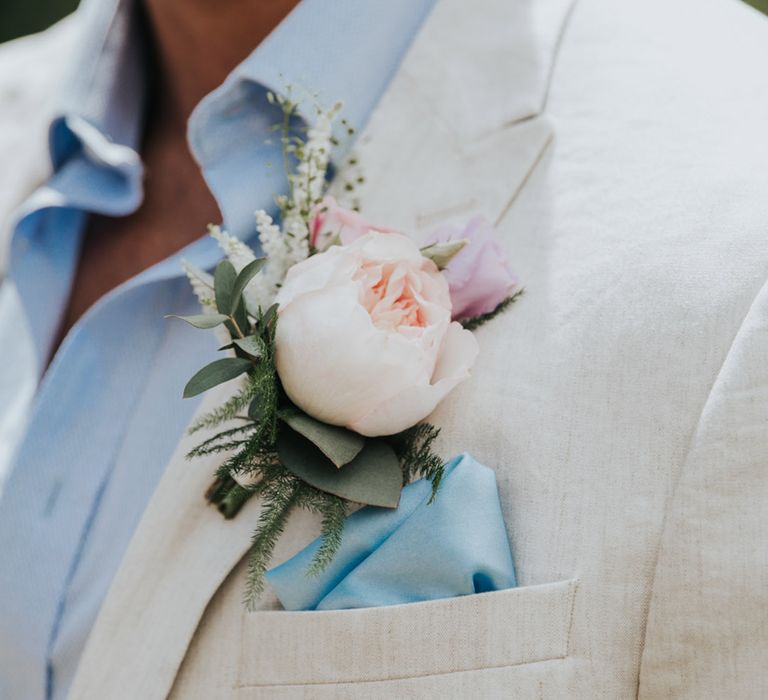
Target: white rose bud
[365,338]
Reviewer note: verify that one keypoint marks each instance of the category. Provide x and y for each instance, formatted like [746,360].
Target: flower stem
[218,490]
[234,500]
[228,496]
[237,328]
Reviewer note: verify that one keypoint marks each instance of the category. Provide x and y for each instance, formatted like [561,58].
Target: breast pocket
[438,648]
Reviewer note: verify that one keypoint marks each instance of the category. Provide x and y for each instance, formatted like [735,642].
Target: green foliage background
[19,17]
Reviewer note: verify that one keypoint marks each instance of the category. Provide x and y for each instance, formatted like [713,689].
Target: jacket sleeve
[707,630]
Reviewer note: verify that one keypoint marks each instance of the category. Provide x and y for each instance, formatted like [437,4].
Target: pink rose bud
[479,276]
[333,223]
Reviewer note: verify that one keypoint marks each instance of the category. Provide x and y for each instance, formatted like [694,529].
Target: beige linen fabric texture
[623,402]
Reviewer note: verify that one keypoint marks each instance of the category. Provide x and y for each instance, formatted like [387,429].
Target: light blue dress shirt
[108,412]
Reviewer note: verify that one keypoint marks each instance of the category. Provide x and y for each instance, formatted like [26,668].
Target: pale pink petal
[415,402]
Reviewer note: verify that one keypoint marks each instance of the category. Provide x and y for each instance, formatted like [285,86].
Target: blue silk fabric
[456,545]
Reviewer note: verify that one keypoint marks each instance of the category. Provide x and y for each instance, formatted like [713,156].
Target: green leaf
[372,478]
[269,316]
[240,317]
[251,345]
[339,445]
[442,253]
[202,320]
[223,284]
[245,276]
[217,372]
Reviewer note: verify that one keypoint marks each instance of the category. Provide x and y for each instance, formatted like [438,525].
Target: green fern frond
[414,448]
[279,500]
[334,512]
[252,458]
[220,442]
[230,409]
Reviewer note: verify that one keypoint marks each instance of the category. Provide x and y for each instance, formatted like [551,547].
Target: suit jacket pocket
[485,631]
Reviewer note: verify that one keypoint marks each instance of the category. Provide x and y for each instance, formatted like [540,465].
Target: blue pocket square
[454,546]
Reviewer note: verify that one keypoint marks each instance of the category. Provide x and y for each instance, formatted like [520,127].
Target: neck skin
[199,42]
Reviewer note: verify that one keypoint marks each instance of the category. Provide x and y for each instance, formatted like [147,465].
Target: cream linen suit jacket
[623,149]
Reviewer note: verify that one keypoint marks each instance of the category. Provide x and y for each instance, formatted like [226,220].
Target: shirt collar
[106,86]
[327,52]
[345,51]
[97,128]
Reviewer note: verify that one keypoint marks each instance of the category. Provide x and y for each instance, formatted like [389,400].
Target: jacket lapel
[178,557]
[456,133]
[461,126]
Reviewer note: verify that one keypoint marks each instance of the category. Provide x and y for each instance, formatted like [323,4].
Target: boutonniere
[346,336]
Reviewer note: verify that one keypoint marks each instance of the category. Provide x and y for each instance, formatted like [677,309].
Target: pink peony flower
[479,275]
[330,221]
[365,338]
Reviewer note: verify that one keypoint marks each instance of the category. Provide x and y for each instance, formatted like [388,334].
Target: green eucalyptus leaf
[223,284]
[245,276]
[373,478]
[442,253]
[339,445]
[251,345]
[202,320]
[217,372]
[240,317]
